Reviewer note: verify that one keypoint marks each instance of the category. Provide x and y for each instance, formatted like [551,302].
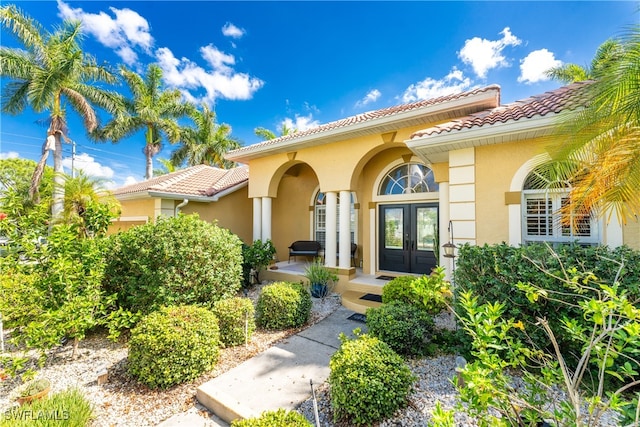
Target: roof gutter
[194,198]
[506,131]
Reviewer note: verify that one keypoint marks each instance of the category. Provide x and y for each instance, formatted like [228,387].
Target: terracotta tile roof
[555,101]
[201,180]
[366,117]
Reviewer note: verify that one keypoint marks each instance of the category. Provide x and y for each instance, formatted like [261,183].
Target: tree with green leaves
[88,205]
[607,53]
[267,134]
[206,142]
[50,74]
[152,108]
[597,148]
[167,166]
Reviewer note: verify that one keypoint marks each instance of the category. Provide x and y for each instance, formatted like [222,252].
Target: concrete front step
[352,300]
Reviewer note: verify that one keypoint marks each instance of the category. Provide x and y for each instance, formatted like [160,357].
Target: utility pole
[73,159]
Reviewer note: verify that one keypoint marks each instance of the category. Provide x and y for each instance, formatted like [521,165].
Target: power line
[24,136]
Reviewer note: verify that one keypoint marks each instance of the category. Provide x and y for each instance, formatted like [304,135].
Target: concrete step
[352,300]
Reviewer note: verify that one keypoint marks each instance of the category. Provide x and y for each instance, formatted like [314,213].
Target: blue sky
[262,64]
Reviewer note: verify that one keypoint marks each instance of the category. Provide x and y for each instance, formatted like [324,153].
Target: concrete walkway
[278,377]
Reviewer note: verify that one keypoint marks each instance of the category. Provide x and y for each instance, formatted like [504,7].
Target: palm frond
[24,28]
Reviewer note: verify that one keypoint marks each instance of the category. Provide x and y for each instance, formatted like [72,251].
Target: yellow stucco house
[215,194]
[400,182]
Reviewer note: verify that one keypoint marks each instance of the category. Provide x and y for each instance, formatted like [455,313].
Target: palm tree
[205,143]
[151,108]
[49,74]
[267,134]
[607,52]
[599,146]
[167,167]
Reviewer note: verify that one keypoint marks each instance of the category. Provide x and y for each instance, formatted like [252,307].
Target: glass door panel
[393,228]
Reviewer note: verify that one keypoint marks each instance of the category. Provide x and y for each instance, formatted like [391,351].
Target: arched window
[408,178]
[543,200]
[320,218]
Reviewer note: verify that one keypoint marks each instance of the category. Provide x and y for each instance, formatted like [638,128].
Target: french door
[408,237]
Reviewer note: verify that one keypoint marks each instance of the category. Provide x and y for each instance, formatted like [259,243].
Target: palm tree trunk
[36,178]
[57,207]
[149,173]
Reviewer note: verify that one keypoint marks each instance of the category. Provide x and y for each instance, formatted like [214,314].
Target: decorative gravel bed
[122,401]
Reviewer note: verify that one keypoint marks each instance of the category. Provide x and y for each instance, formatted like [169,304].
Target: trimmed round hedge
[173,345]
[368,380]
[283,305]
[236,319]
[176,261]
[279,418]
[405,328]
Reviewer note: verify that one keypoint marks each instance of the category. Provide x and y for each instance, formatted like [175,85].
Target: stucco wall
[290,210]
[495,168]
[132,213]
[233,212]
[631,233]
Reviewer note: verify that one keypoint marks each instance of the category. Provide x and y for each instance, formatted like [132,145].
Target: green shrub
[433,290]
[400,289]
[492,272]
[283,305]
[429,292]
[368,380]
[58,293]
[279,418]
[173,345]
[405,328]
[236,319]
[69,408]
[176,261]
[255,257]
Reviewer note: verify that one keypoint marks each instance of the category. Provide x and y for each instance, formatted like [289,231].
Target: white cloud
[9,155]
[89,166]
[300,123]
[454,82]
[484,55]
[370,97]
[220,81]
[127,31]
[219,60]
[130,180]
[534,66]
[232,31]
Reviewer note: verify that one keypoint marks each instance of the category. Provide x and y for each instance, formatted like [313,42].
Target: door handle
[413,243]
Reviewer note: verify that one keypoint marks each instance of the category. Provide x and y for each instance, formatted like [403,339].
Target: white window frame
[320,218]
[557,231]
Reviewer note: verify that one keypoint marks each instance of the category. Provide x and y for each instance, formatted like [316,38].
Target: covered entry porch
[353,284]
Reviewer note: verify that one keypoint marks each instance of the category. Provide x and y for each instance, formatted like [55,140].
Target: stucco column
[331,245]
[257,218]
[345,229]
[266,219]
[445,216]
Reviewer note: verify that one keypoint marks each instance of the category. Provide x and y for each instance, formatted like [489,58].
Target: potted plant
[319,278]
[33,389]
